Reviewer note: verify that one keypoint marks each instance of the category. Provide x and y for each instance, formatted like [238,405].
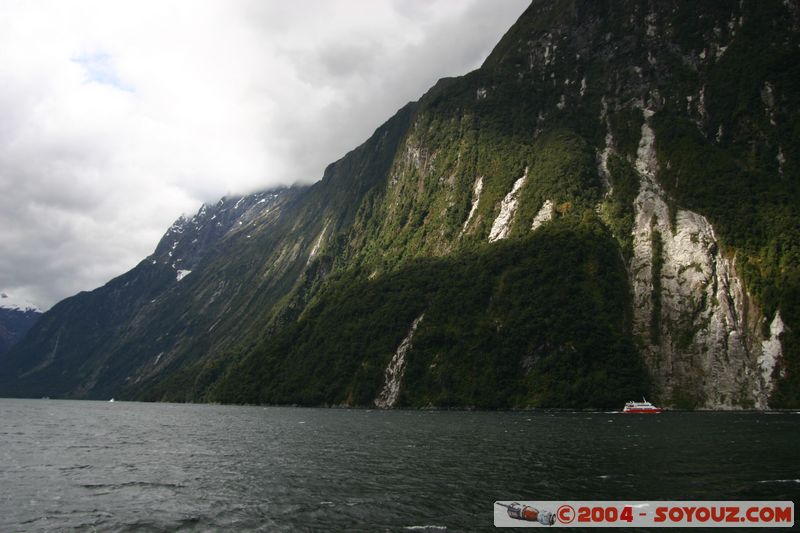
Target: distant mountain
[16,318]
[608,207]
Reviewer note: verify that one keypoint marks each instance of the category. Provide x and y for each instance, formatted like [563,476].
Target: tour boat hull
[641,408]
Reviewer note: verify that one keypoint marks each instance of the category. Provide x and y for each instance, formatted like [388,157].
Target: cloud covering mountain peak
[118,117]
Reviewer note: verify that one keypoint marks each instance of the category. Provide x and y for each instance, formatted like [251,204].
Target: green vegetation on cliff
[542,321]
[307,301]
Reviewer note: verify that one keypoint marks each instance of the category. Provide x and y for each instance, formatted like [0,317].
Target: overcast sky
[118,116]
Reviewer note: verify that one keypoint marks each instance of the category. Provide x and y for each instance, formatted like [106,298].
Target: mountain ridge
[651,129]
[16,318]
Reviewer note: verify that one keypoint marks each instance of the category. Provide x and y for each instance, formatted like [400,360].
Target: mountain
[607,208]
[16,318]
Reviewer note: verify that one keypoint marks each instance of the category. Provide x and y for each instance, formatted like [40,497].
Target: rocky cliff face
[607,207]
[187,242]
[698,327]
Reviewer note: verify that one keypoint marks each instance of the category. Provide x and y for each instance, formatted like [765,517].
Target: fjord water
[136,466]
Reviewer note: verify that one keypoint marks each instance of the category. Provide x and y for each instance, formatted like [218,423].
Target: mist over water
[135,466]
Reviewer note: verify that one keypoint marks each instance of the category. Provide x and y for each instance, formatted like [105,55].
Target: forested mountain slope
[607,207]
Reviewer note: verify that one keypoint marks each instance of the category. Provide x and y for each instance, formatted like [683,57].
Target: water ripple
[163,467]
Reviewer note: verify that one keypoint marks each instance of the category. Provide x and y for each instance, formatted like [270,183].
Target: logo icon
[527,513]
[565,514]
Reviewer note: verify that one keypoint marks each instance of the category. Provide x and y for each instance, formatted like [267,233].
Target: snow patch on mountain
[8,301]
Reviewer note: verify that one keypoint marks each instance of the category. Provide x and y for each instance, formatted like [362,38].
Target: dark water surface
[138,467]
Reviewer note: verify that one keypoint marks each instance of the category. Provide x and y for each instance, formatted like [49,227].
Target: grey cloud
[230,97]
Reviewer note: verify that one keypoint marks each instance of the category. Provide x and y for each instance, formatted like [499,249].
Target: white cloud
[119,116]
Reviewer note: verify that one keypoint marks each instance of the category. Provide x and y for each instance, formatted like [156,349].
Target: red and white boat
[643,408]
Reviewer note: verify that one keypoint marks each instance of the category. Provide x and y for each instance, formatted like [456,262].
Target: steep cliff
[692,312]
[607,207]
[214,284]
